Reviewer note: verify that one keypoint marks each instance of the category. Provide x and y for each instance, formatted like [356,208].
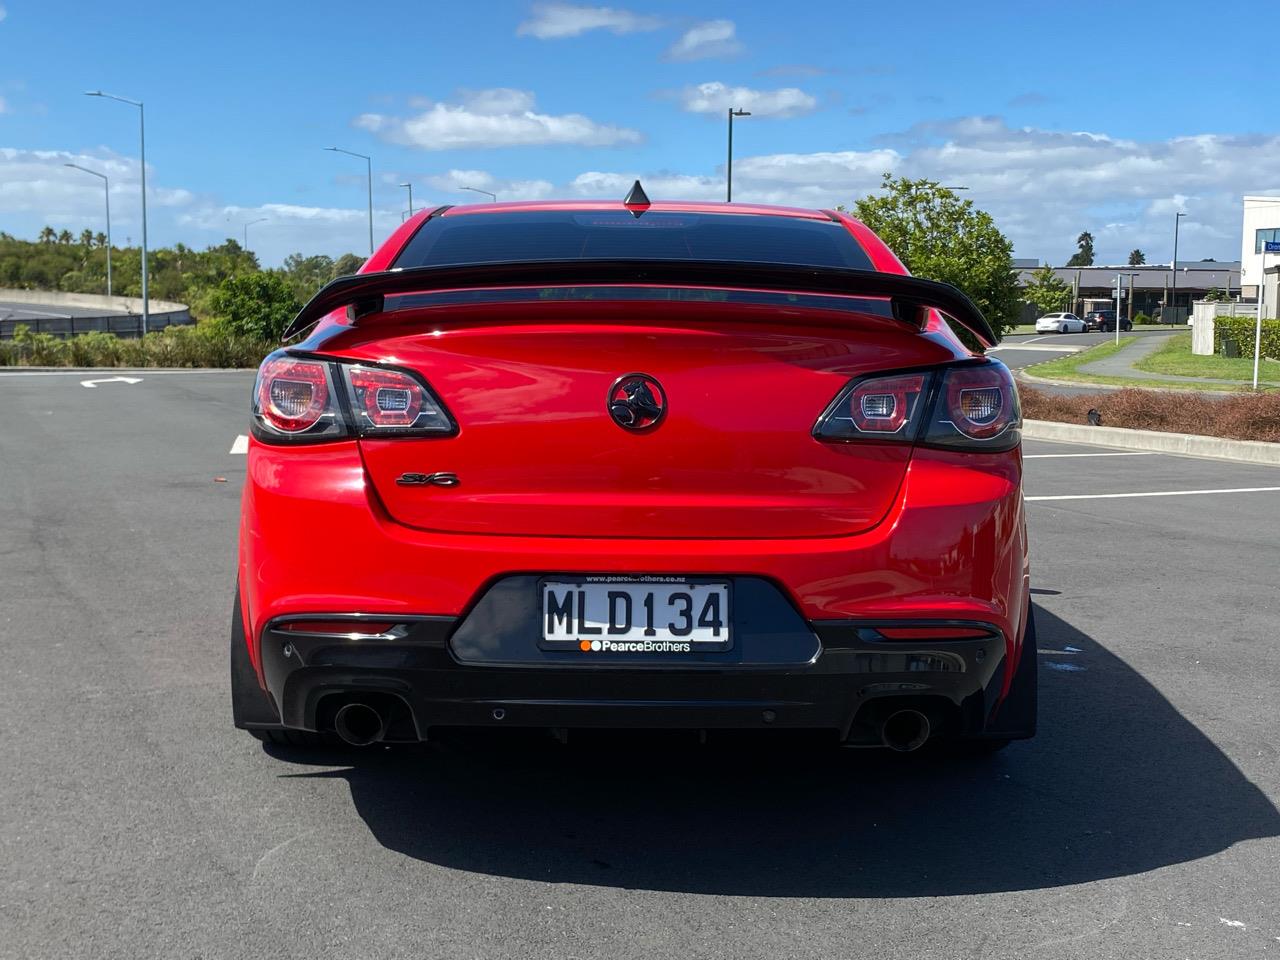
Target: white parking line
[1041,347]
[1061,456]
[1160,493]
[241,445]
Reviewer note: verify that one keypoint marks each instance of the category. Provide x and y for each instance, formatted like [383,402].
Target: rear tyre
[1063,328]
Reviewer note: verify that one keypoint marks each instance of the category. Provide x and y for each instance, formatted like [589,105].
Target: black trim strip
[910,297]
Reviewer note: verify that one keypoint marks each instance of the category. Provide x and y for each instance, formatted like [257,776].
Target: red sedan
[659,465]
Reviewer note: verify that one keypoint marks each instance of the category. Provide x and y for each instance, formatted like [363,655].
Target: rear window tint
[609,235]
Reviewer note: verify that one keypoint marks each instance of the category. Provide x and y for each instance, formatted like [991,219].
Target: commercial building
[1261,224]
[1154,287]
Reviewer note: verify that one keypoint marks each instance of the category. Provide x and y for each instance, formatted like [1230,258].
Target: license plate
[620,616]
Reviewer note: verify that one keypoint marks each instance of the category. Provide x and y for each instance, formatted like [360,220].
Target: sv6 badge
[427,480]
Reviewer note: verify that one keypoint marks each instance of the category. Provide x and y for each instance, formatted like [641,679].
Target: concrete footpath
[1121,364]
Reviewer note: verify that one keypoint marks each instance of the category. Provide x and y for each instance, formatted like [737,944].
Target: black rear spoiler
[910,298]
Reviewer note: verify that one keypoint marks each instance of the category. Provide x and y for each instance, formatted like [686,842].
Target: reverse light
[876,408]
[390,401]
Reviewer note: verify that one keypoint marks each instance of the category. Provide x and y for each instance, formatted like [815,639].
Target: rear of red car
[679,466]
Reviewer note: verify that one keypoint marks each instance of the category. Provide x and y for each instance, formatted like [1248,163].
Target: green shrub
[95,350]
[1243,330]
[257,305]
[206,345]
[41,349]
[1141,318]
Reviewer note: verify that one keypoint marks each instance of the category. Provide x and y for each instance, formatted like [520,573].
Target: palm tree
[86,237]
[1137,257]
[100,239]
[65,237]
[47,235]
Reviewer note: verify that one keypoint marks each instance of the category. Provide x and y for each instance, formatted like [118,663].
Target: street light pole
[492,196]
[106,189]
[368,161]
[410,187]
[246,230]
[728,184]
[142,158]
[1173,290]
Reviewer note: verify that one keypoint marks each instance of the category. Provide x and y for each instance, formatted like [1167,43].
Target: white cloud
[713,38]
[1042,187]
[500,117]
[3,12]
[553,21]
[4,107]
[716,98]
[454,182]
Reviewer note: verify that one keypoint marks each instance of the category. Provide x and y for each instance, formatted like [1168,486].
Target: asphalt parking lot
[135,822]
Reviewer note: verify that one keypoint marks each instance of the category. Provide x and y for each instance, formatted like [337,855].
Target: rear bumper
[315,541]
[851,682]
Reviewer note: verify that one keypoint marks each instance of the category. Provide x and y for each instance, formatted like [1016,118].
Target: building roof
[1192,275]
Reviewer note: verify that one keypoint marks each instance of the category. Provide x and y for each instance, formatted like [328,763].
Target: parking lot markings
[240,445]
[1158,493]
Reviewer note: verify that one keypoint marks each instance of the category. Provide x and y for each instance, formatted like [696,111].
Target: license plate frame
[707,597]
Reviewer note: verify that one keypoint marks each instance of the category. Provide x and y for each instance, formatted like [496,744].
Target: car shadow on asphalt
[1118,782]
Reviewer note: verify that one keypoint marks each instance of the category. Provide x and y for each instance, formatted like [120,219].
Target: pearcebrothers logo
[635,646]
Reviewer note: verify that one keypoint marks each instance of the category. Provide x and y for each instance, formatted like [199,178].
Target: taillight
[296,398]
[304,399]
[969,406]
[389,401]
[976,409]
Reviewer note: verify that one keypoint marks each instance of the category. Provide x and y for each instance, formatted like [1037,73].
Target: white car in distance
[1060,323]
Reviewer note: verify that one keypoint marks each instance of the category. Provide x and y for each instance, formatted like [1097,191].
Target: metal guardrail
[128,326]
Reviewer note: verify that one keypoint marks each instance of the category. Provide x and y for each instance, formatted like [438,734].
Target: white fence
[1203,313]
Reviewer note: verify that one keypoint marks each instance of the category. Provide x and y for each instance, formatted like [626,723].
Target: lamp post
[106,189]
[492,196]
[246,230]
[728,183]
[368,161]
[409,186]
[1173,289]
[142,170]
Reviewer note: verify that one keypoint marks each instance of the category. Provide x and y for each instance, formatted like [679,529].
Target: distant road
[12,310]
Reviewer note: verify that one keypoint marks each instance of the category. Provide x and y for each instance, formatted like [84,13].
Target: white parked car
[1060,323]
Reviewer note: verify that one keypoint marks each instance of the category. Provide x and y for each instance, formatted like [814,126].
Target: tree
[100,239]
[306,275]
[65,237]
[1083,257]
[1136,257]
[47,235]
[86,237]
[941,237]
[1046,291]
[1214,295]
[256,305]
[347,264]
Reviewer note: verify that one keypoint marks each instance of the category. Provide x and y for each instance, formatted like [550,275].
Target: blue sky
[1057,117]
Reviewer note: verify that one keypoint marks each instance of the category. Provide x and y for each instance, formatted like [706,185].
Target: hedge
[1243,330]
[204,345]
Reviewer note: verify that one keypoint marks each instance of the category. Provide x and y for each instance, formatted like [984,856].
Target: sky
[1056,117]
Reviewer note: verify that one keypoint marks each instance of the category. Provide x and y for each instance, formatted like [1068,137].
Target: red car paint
[734,484]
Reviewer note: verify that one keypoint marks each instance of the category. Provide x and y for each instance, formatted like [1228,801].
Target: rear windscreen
[611,235]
